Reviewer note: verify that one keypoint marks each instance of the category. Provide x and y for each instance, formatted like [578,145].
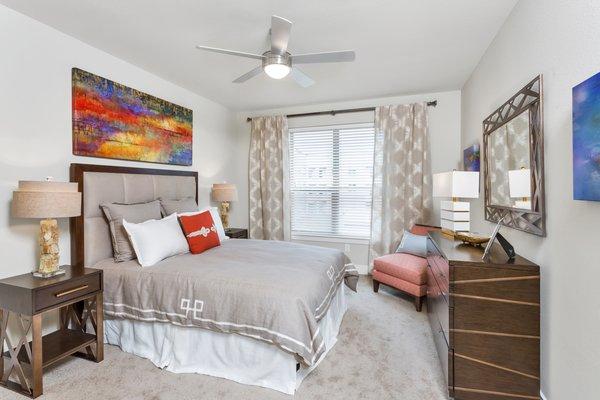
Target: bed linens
[154,240]
[271,291]
[239,358]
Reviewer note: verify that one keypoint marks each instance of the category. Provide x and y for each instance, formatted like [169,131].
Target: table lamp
[519,186]
[455,215]
[224,193]
[47,200]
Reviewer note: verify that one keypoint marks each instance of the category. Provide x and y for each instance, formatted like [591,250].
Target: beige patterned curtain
[268,174]
[401,174]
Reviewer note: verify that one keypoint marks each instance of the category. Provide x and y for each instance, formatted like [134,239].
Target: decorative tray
[472,238]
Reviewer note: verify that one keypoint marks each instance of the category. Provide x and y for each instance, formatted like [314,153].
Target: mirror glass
[509,164]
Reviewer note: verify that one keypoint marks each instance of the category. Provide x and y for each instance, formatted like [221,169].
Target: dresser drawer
[439,263]
[437,301]
[441,271]
[495,315]
[53,295]
[443,350]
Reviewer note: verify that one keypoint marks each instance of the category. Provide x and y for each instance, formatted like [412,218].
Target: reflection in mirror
[509,164]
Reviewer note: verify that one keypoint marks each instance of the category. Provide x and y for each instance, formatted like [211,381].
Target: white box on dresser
[455,205]
[456,226]
[463,216]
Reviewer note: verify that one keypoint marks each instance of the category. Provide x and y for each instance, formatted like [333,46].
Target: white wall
[35,125]
[444,130]
[560,39]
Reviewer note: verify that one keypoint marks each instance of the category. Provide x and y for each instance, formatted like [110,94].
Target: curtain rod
[333,112]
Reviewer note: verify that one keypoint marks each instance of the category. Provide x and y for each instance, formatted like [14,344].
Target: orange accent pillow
[200,232]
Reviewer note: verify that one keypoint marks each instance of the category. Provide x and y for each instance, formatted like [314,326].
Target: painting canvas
[111,120]
[586,140]
[471,158]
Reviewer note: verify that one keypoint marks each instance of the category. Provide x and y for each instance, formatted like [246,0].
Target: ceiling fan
[278,62]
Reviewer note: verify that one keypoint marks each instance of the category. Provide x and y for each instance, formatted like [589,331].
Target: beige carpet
[385,351]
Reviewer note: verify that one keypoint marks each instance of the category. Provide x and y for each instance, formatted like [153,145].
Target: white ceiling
[402,46]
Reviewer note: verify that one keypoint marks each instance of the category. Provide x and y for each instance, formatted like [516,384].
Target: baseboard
[542,396]
[362,269]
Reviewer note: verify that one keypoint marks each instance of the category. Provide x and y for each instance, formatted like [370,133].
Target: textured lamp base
[224,211]
[38,274]
[455,216]
[49,251]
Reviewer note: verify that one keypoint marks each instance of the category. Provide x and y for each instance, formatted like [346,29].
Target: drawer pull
[67,292]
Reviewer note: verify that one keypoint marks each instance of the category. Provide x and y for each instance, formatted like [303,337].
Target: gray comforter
[271,291]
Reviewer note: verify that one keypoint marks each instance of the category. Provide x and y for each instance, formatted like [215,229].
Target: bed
[257,312]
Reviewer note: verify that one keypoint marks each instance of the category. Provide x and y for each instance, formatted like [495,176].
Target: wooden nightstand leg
[2,333]
[99,328]
[36,350]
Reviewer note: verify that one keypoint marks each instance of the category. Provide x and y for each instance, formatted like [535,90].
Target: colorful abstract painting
[111,120]
[471,158]
[586,140]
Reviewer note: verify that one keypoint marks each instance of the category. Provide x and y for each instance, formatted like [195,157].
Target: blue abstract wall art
[471,158]
[586,140]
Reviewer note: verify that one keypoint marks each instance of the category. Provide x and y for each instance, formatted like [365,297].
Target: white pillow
[156,239]
[214,213]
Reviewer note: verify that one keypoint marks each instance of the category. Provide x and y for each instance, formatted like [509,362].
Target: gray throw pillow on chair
[413,244]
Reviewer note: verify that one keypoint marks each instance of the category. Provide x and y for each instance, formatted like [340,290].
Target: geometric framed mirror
[513,148]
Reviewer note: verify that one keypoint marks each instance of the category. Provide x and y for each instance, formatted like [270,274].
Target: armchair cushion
[407,267]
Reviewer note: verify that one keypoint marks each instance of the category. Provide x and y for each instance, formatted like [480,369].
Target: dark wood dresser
[485,319]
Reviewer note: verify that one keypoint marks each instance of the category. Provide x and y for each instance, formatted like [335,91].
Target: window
[331,176]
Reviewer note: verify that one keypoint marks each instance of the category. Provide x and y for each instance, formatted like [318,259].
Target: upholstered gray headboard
[90,238]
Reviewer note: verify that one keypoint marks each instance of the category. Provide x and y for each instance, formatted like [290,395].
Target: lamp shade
[463,184]
[46,199]
[519,182]
[224,192]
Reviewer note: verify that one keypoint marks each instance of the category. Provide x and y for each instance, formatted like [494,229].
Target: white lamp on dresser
[456,215]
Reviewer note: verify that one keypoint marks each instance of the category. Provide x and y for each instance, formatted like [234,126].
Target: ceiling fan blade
[280,34]
[328,57]
[250,74]
[231,52]
[301,78]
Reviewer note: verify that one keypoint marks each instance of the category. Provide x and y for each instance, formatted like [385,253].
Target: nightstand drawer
[53,295]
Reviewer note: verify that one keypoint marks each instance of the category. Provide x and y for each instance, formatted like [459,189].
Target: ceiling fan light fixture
[277,62]
[277,71]
[277,66]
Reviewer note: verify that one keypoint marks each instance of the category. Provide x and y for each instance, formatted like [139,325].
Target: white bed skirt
[242,359]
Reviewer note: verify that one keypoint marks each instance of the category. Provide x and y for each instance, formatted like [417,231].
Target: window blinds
[331,177]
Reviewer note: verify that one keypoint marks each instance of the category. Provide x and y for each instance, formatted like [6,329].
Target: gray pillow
[413,244]
[136,213]
[169,207]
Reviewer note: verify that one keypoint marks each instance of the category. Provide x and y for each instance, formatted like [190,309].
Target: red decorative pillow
[200,231]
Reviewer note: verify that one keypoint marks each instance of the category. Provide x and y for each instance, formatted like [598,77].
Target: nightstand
[78,296]
[237,233]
